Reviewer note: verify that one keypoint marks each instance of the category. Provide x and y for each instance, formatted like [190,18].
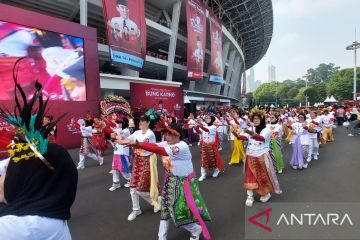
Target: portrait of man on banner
[126,31]
[123,28]
[196,26]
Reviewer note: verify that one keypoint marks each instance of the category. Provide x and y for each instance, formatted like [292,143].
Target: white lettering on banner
[197,7]
[154,92]
[313,219]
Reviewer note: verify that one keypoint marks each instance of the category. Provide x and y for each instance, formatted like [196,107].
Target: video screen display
[56,60]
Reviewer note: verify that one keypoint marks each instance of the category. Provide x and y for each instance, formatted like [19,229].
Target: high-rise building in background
[271,73]
[257,84]
[250,81]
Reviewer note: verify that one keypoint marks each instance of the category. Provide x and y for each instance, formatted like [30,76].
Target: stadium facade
[247,27]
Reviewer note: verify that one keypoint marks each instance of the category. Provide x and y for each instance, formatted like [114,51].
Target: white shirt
[209,137]
[33,228]
[86,131]
[179,161]
[119,24]
[257,148]
[299,130]
[276,128]
[317,127]
[327,120]
[149,136]
[118,148]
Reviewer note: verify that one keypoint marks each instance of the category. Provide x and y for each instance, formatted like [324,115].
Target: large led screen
[55,60]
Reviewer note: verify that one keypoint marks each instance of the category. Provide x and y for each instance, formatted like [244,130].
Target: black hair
[125,123]
[276,117]
[212,120]
[145,118]
[302,114]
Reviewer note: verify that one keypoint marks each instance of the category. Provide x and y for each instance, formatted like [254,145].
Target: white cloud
[302,8]
[289,39]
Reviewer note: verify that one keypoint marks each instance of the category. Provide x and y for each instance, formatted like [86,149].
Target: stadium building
[247,27]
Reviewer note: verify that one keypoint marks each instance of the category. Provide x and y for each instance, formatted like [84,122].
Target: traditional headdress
[258,111]
[174,128]
[27,120]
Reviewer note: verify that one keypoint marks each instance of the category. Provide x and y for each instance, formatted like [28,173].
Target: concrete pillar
[226,47]
[83,12]
[173,39]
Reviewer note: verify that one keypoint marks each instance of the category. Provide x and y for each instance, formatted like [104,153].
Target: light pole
[355,45]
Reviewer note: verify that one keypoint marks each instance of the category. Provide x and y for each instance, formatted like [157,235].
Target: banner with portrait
[216,60]
[196,38]
[126,31]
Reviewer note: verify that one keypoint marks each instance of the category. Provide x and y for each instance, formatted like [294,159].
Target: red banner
[196,38]
[126,31]
[162,99]
[216,62]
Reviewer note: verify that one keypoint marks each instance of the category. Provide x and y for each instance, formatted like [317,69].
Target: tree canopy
[315,86]
[342,83]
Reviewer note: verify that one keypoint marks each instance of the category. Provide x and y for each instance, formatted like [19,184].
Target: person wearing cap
[121,163]
[210,157]
[143,181]
[181,199]
[123,28]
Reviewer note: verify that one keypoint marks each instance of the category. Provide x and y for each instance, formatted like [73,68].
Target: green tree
[320,92]
[341,84]
[266,93]
[321,74]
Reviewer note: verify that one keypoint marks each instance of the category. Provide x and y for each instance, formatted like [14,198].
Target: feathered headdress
[258,111]
[27,119]
[163,127]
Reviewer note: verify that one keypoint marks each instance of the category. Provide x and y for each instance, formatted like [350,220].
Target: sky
[307,33]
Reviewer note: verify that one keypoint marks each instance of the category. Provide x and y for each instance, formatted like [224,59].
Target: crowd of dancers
[257,136]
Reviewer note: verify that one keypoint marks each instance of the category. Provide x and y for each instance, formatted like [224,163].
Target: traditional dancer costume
[260,175]
[328,124]
[181,199]
[220,122]
[210,157]
[276,143]
[301,143]
[98,137]
[315,129]
[86,148]
[121,163]
[144,180]
[238,152]
[192,138]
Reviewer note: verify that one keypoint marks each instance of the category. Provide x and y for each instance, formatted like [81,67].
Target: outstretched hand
[126,142]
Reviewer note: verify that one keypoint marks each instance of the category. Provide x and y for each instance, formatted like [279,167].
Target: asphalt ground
[100,214]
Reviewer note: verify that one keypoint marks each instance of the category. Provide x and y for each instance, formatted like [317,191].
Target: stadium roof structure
[250,22]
